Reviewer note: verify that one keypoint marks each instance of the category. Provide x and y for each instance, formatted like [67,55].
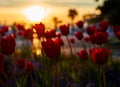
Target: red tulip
[116,29]
[80,24]
[103,26]
[8,45]
[59,41]
[79,35]
[87,38]
[72,40]
[40,29]
[93,38]
[20,63]
[64,29]
[28,34]
[83,54]
[99,55]
[107,34]
[1,63]
[118,35]
[29,66]
[2,33]
[50,48]
[5,28]
[50,34]
[101,38]
[20,27]
[91,30]
[91,50]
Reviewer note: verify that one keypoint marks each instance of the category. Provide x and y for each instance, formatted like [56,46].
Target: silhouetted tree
[56,21]
[111,10]
[72,13]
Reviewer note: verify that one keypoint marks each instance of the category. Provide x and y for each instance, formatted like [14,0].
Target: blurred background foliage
[110,10]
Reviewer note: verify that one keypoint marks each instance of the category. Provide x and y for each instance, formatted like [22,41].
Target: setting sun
[34,13]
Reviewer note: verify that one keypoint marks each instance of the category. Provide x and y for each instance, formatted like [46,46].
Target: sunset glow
[34,13]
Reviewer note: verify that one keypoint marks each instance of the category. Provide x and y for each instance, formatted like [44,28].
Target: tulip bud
[29,66]
[20,63]
[64,29]
[79,35]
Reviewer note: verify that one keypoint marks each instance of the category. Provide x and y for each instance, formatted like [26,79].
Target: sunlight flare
[34,13]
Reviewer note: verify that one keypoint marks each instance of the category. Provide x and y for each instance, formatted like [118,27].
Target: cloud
[70,3]
[12,2]
[48,2]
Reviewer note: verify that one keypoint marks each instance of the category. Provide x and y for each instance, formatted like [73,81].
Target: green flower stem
[31,79]
[83,44]
[40,40]
[104,77]
[15,55]
[100,80]
[57,73]
[87,66]
[13,71]
[69,45]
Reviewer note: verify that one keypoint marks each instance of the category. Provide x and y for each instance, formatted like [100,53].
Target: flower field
[85,58]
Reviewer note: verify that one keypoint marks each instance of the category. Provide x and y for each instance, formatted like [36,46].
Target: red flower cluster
[64,29]
[40,29]
[8,45]
[83,54]
[21,65]
[1,63]
[20,27]
[50,48]
[99,38]
[79,35]
[99,55]
[80,24]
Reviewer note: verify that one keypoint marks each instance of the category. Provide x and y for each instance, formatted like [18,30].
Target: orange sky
[11,14]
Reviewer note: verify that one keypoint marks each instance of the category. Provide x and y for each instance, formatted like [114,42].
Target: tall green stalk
[69,45]
[57,72]
[104,77]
